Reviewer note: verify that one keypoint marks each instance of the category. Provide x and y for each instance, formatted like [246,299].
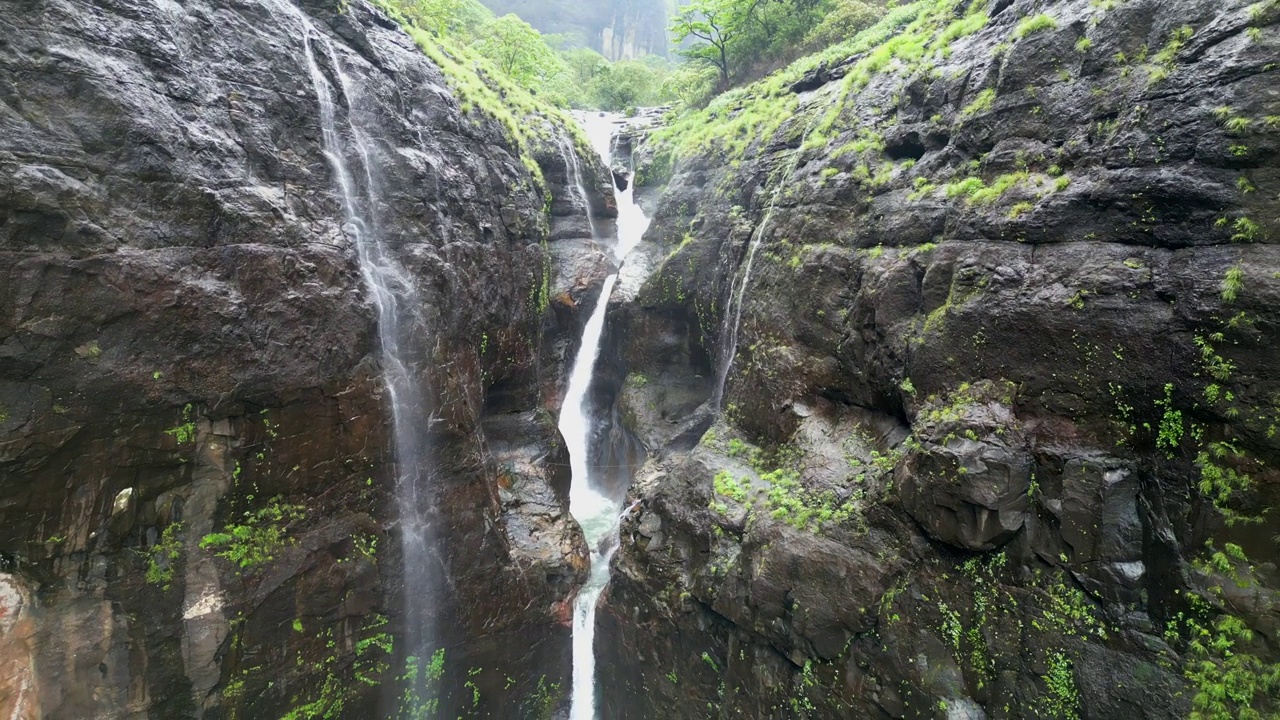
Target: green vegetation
[1063,699]
[979,193]
[518,54]
[1169,434]
[1246,230]
[984,603]
[779,489]
[1229,680]
[339,686]
[736,119]
[1232,283]
[1034,24]
[726,484]
[981,103]
[734,37]
[518,51]
[162,556]
[421,682]
[258,537]
[541,705]
[1222,482]
[186,431]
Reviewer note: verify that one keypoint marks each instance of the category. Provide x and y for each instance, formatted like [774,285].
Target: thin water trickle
[575,170]
[596,512]
[402,334]
[733,313]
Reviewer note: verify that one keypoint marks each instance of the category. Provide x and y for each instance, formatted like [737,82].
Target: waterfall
[733,313]
[404,342]
[596,512]
[571,163]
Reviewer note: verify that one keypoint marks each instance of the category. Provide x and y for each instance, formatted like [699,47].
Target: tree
[690,84]
[583,64]
[439,16]
[845,19]
[717,24]
[627,84]
[518,50]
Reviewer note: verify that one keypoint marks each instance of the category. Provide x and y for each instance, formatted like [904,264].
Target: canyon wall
[196,517]
[1000,435]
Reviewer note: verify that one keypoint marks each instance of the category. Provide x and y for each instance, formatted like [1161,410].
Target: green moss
[997,188]
[979,193]
[1034,24]
[1020,209]
[727,484]
[981,103]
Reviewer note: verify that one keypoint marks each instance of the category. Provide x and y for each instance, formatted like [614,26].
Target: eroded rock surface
[187,346]
[1004,366]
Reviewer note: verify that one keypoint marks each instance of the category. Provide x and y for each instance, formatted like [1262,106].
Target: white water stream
[733,313]
[403,344]
[596,513]
[403,338]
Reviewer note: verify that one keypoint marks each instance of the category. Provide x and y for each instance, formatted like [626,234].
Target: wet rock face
[187,346]
[967,483]
[974,441]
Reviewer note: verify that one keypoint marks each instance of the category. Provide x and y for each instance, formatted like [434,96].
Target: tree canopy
[518,50]
[744,38]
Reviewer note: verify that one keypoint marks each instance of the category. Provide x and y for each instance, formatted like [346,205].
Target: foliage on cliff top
[540,64]
[485,90]
[735,119]
[743,39]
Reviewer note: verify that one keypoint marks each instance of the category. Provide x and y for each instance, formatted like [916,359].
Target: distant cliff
[617,29]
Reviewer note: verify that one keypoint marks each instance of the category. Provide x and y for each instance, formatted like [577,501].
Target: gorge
[340,380]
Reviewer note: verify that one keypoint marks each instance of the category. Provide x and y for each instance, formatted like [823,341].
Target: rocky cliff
[195,447]
[999,436]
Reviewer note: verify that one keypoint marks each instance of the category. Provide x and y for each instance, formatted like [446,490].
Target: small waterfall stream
[403,337]
[594,510]
[575,169]
[733,313]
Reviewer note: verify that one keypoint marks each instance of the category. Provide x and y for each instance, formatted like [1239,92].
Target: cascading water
[596,513]
[594,510]
[402,334]
[733,314]
[571,162]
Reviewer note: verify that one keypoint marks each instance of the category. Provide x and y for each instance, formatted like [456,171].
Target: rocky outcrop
[999,437]
[195,451]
